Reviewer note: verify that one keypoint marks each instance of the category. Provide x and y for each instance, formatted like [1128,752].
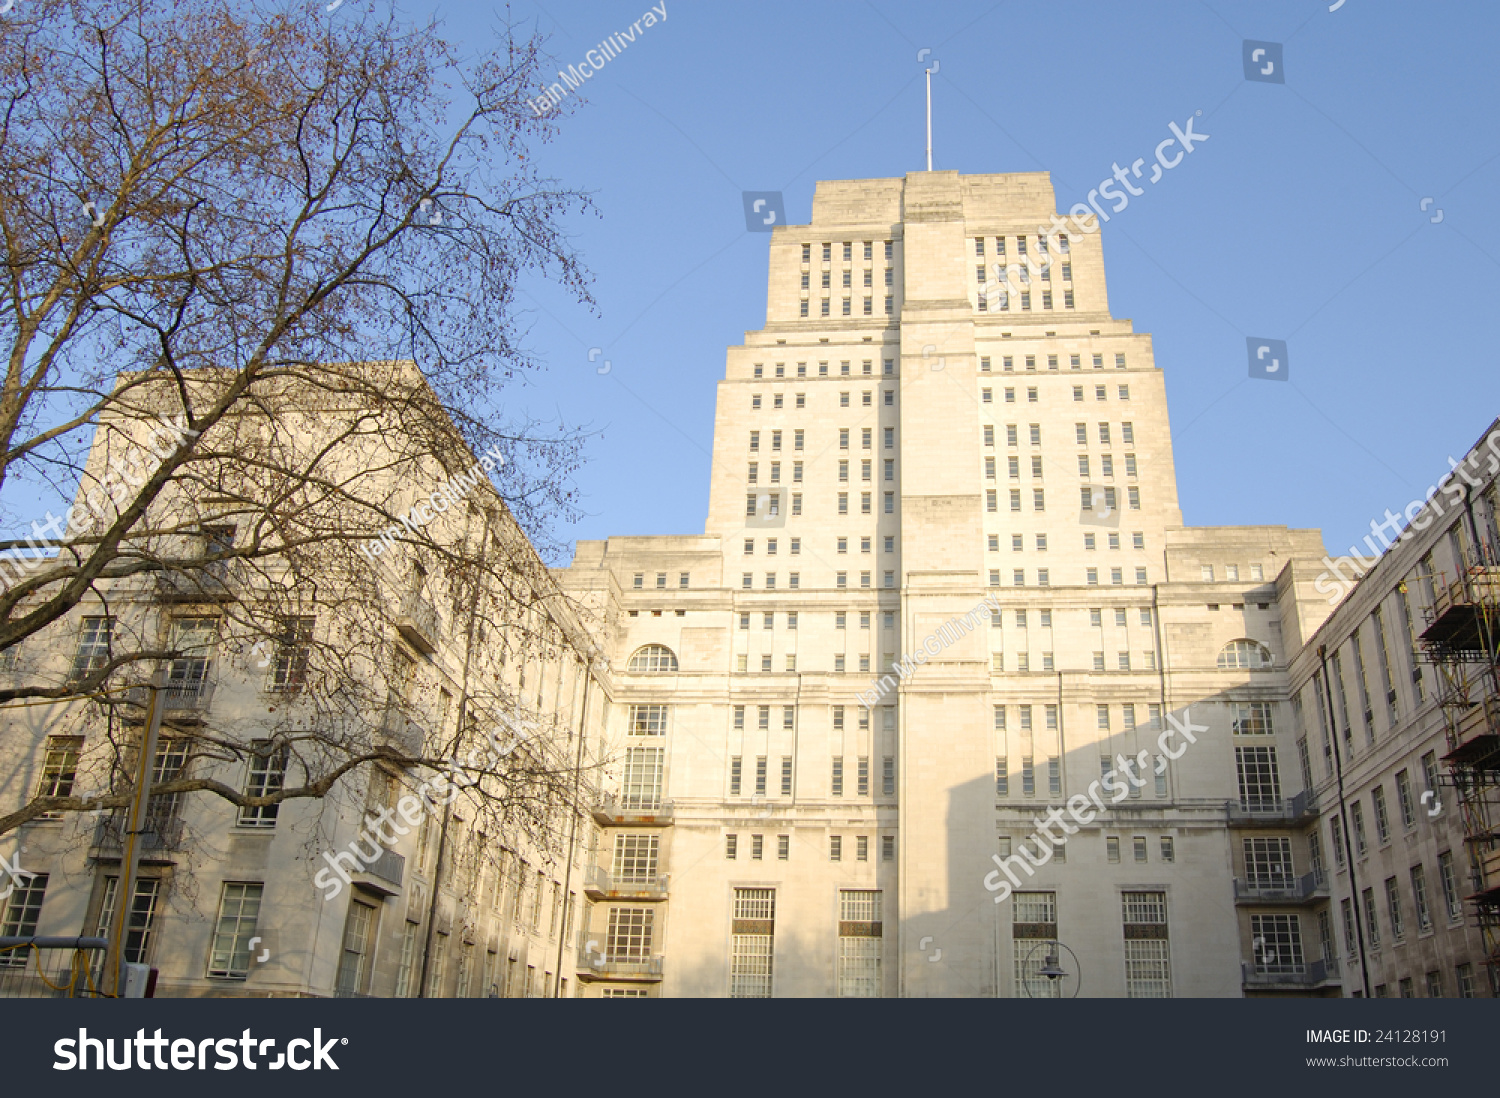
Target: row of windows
[752,473]
[756,849]
[759,785]
[1385,912]
[1019,273]
[1042,246]
[1081,432]
[848,282]
[840,619]
[1001,299]
[1407,804]
[794,545]
[836,714]
[1075,362]
[867,369]
[770,504]
[1044,576]
[799,439]
[1090,499]
[840,580]
[1106,469]
[1102,719]
[867,400]
[846,310]
[848,251]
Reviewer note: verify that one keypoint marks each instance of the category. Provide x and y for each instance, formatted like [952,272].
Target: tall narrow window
[752,943]
[265,772]
[1148,973]
[860,944]
[239,908]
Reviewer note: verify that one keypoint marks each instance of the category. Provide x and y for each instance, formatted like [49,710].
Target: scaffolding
[1462,639]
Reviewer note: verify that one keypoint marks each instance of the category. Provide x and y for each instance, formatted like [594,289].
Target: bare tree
[268,263]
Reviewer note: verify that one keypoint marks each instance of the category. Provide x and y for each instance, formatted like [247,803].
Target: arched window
[653,659]
[1246,654]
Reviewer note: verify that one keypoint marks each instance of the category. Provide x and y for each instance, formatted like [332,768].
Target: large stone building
[291,664]
[945,701]
[943,447]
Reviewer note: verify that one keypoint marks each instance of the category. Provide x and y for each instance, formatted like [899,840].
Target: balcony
[402,733]
[163,832]
[599,885]
[205,583]
[1462,616]
[1266,812]
[182,699]
[1291,976]
[419,624]
[633,811]
[1290,890]
[594,966]
[389,868]
[1476,733]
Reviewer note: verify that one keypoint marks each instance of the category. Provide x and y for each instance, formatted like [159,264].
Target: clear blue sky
[1299,219]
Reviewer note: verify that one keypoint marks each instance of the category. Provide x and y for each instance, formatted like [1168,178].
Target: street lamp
[1051,969]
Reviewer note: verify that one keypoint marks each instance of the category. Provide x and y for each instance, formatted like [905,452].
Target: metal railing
[418,621]
[1298,973]
[624,809]
[402,732]
[1268,809]
[602,966]
[598,879]
[389,867]
[51,968]
[179,695]
[1283,889]
[162,832]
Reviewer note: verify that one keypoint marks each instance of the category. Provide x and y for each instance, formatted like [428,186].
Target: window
[353,971]
[1245,654]
[229,953]
[1112,848]
[59,770]
[1451,898]
[293,650]
[1357,826]
[628,938]
[1147,968]
[860,943]
[888,776]
[1278,944]
[265,773]
[1393,909]
[1372,921]
[1268,862]
[92,654]
[835,848]
[1168,852]
[1419,898]
[1249,718]
[653,659]
[1382,817]
[21,915]
[1028,777]
[142,920]
[731,847]
[1259,782]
